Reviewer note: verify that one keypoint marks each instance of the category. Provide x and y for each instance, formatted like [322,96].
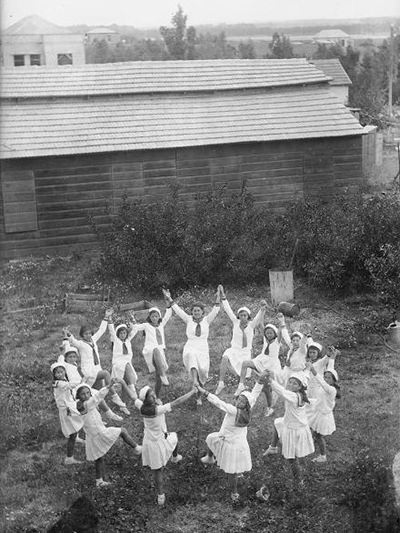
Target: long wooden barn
[75,140]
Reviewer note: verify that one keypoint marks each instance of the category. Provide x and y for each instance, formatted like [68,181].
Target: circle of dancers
[307,383]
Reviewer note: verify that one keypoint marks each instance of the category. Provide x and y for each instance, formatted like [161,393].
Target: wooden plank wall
[69,190]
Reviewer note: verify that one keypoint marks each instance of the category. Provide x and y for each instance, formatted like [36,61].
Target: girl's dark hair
[242,418]
[84,328]
[302,392]
[65,373]
[336,385]
[148,409]
[198,304]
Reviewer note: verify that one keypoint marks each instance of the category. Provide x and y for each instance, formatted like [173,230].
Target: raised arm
[167,316]
[228,309]
[180,312]
[258,320]
[286,394]
[183,398]
[111,331]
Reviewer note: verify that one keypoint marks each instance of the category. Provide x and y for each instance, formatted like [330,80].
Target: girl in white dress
[154,345]
[122,368]
[91,369]
[196,355]
[242,338]
[69,358]
[321,419]
[229,445]
[297,354]
[99,438]
[158,445]
[268,359]
[292,429]
[70,420]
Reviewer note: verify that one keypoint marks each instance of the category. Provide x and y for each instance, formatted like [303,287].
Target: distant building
[330,37]
[100,34]
[340,81]
[33,41]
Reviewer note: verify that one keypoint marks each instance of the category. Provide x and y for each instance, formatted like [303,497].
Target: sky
[154,13]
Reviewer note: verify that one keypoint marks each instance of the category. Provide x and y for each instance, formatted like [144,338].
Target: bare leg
[102,377]
[267,390]
[129,376]
[100,468]
[321,443]
[158,479]
[234,483]
[71,444]
[223,369]
[275,439]
[295,466]
[128,439]
[243,371]
[158,385]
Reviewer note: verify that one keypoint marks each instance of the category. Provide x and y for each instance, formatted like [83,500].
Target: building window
[35,59]
[19,61]
[64,59]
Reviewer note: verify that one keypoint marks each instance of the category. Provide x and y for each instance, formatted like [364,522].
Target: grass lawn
[351,492]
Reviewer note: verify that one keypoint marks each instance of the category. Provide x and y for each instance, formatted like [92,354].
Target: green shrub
[350,244]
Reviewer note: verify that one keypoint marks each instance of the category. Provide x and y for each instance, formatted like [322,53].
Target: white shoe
[269,411]
[125,410]
[176,458]
[100,483]
[235,497]
[319,459]
[112,416]
[164,380]
[240,389]
[271,450]
[161,499]
[220,388]
[137,450]
[72,461]
[78,440]
[207,460]
[117,400]
[263,494]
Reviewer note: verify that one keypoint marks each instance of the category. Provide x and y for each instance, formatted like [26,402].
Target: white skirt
[70,424]
[148,357]
[263,362]
[296,442]
[236,356]
[198,360]
[156,453]
[98,445]
[324,424]
[233,457]
[119,367]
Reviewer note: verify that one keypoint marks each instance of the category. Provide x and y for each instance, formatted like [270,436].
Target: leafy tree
[99,52]
[214,47]
[280,46]
[178,39]
[246,50]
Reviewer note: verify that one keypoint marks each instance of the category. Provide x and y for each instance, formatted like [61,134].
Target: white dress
[293,429]
[119,359]
[320,417]
[236,354]
[99,438]
[158,444]
[65,401]
[269,361]
[88,366]
[296,359]
[229,444]
[196,352]
[151,342]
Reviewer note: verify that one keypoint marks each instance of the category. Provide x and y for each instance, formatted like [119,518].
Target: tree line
[367,70]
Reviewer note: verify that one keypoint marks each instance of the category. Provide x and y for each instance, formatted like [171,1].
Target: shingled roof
[35,25]
[157,76]
[334,69]
[41,127]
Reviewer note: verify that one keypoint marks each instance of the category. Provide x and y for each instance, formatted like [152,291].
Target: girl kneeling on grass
[99,438]
[268,359]
[154,345]
[242,338]
[122,368]
[229,445]
[292,430]
[70,420]
[94,375]
[196,353]
[158,444]
[320,417]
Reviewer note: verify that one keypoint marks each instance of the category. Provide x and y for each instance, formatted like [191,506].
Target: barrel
[288,309]
[281,285]
[394,333]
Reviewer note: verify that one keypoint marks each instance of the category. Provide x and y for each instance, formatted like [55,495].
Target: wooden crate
[140,308]
[81,302]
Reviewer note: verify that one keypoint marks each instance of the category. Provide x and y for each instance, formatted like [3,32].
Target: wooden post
[281,284]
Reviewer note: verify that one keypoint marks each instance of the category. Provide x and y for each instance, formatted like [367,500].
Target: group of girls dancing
[307,382]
